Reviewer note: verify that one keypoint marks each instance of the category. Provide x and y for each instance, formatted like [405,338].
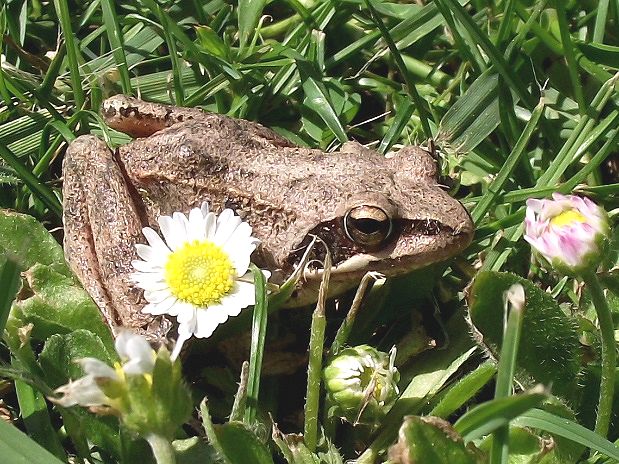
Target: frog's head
[407,223]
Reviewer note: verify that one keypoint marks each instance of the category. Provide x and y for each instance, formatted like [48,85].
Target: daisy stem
[162,449]
[609,353]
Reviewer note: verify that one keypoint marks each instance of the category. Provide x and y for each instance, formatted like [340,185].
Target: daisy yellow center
[567,217]
[199,273]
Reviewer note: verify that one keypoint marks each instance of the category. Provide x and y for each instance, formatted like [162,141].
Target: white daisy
[137,358]
[200,273]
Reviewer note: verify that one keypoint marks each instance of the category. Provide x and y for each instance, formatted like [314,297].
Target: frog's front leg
[102,225]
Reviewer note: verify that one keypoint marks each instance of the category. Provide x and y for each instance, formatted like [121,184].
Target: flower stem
[609,353]
[162,449]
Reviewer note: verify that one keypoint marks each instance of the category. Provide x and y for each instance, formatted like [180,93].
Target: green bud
[361,384]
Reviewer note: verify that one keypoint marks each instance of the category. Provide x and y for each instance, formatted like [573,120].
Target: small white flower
[200,273]
[137,357]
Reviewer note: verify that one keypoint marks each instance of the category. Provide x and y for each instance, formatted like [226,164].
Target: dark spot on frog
[108,112]
[130,112]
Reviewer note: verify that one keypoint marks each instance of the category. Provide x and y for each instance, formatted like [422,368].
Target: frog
[369,212]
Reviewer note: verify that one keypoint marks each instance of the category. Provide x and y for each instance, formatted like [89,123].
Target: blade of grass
[600,21]
[464,390]
[258,337]
[494,55]
[17,447]
[568,50]
[514,313]
[506,22]
[318,101]
[420,103]
[482,207]
[471,52]
[43,192]
[72,47]
[115,37]
[9,276]
[33,410]
[396,127]
[538,419]
[248,12]
[487,417]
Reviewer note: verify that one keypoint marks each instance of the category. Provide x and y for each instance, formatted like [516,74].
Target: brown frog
[374,213]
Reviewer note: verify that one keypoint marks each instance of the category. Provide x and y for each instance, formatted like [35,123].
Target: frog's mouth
[414,243]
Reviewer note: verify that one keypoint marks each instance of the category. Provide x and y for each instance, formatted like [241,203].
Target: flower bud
[571,232]
[361,383]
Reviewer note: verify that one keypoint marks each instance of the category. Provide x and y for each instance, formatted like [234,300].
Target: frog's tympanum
[374,213]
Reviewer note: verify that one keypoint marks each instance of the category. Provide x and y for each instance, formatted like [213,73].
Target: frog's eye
[368,226]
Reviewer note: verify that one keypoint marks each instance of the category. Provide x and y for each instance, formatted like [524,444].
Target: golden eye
[368,226]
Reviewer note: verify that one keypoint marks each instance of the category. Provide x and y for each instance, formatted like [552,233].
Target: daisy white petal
[196,229]
[139,357]
[97,368]
[145,266]
[203,280]
[83,391]
[148,253]
[226,225]
[155,241]
[173,232]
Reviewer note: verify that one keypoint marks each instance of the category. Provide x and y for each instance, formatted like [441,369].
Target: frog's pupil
[370,226]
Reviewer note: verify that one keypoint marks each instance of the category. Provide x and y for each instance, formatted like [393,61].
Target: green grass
[519,97]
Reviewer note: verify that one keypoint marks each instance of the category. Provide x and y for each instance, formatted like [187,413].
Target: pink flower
[569,231]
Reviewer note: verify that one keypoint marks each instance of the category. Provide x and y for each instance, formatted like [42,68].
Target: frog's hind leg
[102,226]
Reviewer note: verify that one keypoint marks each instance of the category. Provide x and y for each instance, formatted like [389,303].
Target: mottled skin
[286,193]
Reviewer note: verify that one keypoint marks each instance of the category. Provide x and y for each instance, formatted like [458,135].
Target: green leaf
[607,55]
[258,338]
[430,439]
[473,117]
[249,12]
[17,448]
[487,417]
[464,390]
[210,41]
[549,350]
[317,99]
[58,305]
[60,352]
[9,276]
[27,242]
[241,445]
[566,428]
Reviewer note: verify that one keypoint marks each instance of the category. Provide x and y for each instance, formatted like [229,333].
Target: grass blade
[40,190]
[258,337]
[420,103]
[115,37]
[248,12]
[536,418]
[482,207]
[487,417]
[16,447]
[9,276]
[72,48]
